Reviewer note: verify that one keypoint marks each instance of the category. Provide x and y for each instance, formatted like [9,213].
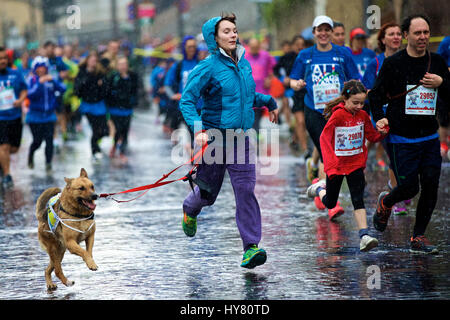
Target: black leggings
[174,117]
[416,166]
[41,132]
[356,184]
[99,129]
[122,125]
[315,122]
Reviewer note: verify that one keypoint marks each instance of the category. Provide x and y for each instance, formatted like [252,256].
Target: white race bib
[7,98]
[324,93]
[348,141]
[421,101]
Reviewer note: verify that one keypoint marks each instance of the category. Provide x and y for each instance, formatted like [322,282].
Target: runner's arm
[378,94]
[326,145]
[298,73]
[369,131]
[264,100]
[22,97]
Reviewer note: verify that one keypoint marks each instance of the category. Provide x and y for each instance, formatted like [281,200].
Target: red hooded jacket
[343,141]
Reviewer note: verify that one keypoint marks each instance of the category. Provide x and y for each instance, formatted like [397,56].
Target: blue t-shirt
[324,73]
[362,59]
[444,50]
[186,68]
[157,79]
[12,84]
[372,70]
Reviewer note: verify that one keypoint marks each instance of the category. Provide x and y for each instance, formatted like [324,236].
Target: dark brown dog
[72,221]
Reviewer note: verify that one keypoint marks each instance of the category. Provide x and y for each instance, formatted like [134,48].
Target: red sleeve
[327,144]
[370,132]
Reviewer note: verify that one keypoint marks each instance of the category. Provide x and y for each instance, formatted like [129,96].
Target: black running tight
[42,132]
[356,184]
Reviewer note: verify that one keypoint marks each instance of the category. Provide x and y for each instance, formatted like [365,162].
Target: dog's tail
[41,210]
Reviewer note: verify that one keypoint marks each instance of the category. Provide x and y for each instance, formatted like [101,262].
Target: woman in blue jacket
[41,116]
[224,81]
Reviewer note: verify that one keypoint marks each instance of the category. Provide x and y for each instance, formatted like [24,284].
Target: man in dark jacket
[410,81]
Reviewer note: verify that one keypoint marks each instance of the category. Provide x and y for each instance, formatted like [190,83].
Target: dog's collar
[76,215]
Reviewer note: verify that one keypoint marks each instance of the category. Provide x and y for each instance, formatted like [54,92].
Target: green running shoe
[253,257]
[311,171]
[189,225]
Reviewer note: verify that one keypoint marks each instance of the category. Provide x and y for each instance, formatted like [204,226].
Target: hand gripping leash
[161,182]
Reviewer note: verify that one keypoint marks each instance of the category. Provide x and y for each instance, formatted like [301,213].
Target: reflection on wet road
[142,252]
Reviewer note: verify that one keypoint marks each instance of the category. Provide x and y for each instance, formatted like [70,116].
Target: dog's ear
[83,173]
[68,181]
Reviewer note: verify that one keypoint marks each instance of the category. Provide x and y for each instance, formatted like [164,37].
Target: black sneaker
[381,216]
[420,244]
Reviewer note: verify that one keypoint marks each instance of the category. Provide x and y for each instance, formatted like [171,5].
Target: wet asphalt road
[142,252]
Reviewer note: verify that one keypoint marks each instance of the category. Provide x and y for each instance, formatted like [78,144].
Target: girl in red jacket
[345,154]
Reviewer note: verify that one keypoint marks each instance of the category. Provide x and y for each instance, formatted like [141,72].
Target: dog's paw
[51,287]
[92,266]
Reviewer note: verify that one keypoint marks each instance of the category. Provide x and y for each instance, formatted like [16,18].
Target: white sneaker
[367,243]
[97,156]
[312,189]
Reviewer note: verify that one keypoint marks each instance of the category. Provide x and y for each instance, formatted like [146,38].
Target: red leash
[160,182]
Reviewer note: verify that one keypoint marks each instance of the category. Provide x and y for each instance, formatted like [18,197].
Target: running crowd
[51,89]
[345,100]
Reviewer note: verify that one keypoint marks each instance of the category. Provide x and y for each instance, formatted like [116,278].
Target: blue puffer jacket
[228,90]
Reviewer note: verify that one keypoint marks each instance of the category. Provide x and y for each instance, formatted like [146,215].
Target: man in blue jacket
[13,91]
[224,81]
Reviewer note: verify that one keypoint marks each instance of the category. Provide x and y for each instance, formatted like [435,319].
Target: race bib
[7,98]
[421,101]
[324,93]
[349,140]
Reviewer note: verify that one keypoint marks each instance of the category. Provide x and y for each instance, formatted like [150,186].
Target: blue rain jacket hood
[208,33]
[183,44]
[227,89]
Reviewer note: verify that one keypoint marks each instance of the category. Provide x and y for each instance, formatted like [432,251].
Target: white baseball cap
[321,20]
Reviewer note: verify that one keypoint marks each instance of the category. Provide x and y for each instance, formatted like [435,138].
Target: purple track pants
[243,180]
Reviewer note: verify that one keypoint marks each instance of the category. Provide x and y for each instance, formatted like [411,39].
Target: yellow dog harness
[53,219]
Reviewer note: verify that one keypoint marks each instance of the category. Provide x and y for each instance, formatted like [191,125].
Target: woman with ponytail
[345,154]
